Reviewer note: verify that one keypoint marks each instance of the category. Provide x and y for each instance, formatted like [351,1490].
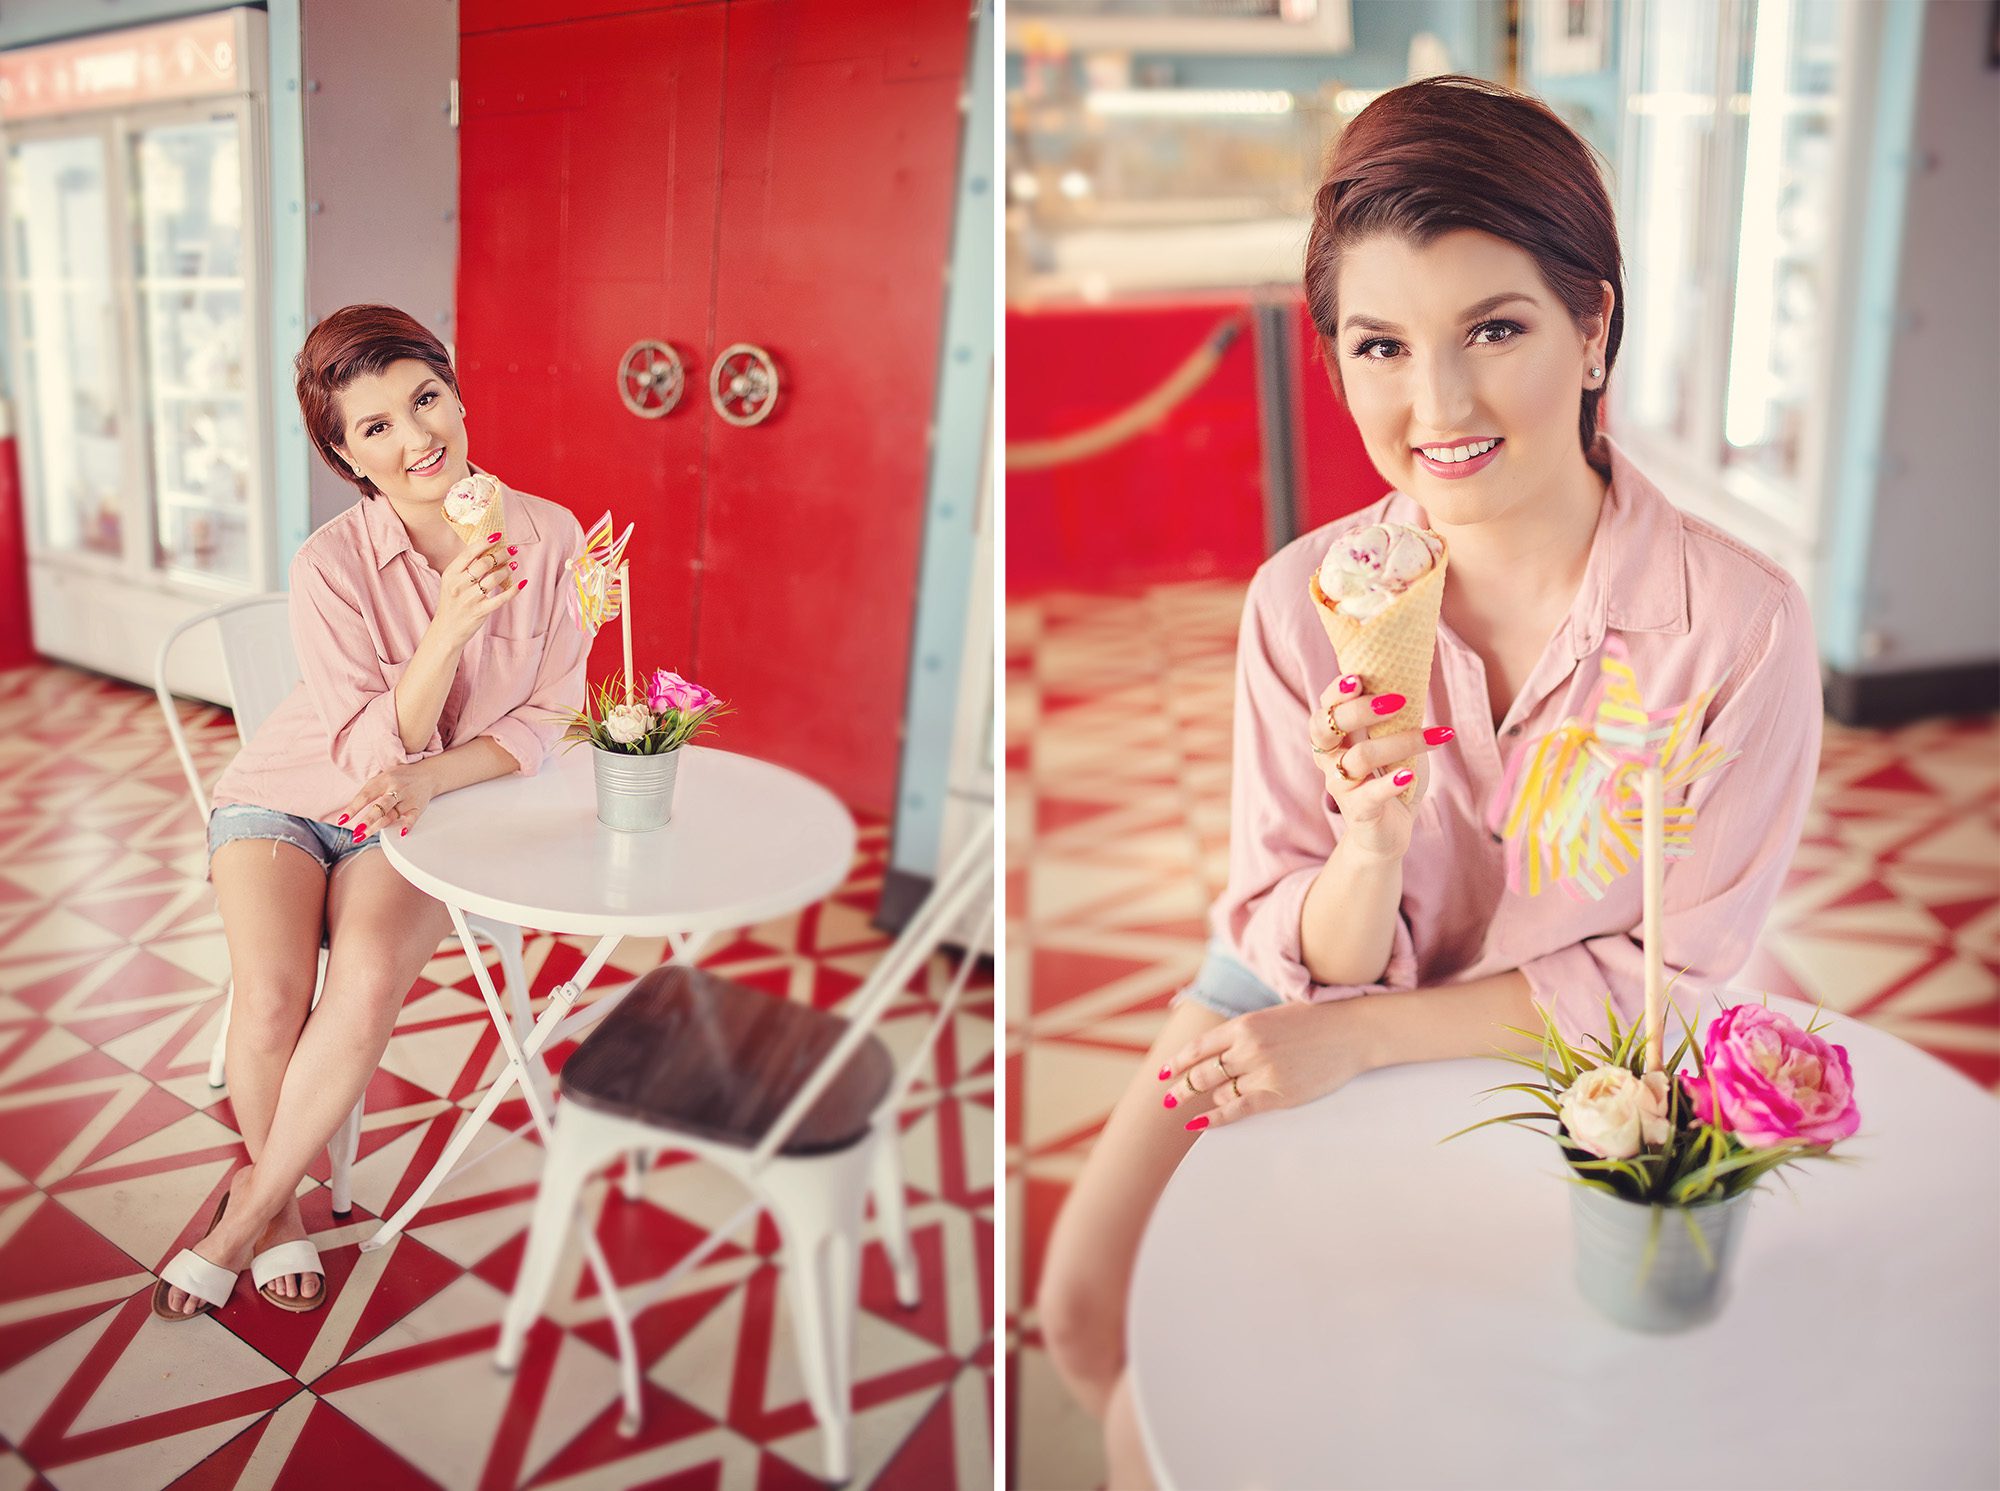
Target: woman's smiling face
[1458,344]
[401,428]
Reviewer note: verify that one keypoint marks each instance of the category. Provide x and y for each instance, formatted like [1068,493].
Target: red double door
[771,172]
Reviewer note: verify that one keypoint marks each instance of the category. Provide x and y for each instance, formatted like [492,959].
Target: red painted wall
[1184,500]
[16,644]
[1335,475]
[779,172]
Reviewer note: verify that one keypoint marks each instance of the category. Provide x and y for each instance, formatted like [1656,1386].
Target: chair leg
[343,1152]
[583,1141]
[817,1204]
[217,1057]
[891,1214]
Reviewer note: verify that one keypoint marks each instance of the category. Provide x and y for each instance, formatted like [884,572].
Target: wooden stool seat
[695,1053]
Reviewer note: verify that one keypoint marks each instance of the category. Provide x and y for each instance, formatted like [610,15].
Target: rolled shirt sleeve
[529,731]
[1280,814]
[353,691]
[1748,822]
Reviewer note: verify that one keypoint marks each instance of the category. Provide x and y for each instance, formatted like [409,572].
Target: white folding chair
[798,1104]
[262,668]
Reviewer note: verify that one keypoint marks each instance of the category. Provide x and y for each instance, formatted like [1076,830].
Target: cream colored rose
[1603,1113]
[627,723]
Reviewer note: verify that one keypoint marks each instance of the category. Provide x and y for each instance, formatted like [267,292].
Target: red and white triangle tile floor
[113,1149]
[1118,714]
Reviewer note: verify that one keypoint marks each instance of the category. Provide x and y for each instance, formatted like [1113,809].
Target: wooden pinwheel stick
[625,616]
[1653,866]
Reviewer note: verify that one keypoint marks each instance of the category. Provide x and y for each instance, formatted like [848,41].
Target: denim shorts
[323,841]
[1225,984]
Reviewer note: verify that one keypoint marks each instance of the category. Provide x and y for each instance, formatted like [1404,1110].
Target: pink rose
[668,690]
[1770,1081]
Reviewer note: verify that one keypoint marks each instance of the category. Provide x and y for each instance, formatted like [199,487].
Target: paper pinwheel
[597,579]
[1579,804]
[1570,809]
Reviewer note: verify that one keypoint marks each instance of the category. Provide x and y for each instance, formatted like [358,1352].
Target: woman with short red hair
[1465,277]
[428,663]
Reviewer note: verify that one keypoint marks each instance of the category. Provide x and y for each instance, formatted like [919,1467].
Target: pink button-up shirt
[1695,607]
[361,600]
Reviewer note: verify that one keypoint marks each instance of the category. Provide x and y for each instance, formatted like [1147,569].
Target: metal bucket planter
[1674,1290]
[635,793]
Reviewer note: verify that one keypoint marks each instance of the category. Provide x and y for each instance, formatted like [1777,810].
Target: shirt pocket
[503,673]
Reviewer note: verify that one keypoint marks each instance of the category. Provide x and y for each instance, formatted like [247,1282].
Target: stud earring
[1597,372]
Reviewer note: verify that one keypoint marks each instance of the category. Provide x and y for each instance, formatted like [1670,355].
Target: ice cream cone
[492,518]
[1392,652]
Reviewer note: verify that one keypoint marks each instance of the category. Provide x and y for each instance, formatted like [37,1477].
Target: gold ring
[1233,1084]
[1340,765]
[1188,1077]
[392,794]
[1223,1069]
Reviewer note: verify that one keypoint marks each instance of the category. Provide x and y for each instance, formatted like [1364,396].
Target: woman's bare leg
[383,930]
[272,897]
[1081,1301]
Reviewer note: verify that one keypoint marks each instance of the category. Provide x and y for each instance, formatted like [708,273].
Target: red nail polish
[360,832]
[513,564]
[511,549]
[1403,778]
[522,586]
[1350,683]
[1388,703]
[1439,734]
[1170,1101]
[343,818]
[1196,1123]
[1166,1072]
[492,538]
[406,833]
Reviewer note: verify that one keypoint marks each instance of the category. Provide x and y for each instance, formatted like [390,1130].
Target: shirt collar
[1636,577]
[387,537]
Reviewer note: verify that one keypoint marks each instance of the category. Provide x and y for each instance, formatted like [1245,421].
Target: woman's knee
[1082,1317]
[267,1012]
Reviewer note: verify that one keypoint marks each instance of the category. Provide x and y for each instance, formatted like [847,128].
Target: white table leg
[524,1066]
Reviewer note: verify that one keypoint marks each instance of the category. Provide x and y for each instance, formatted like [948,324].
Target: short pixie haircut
[1456,152]
[355,342]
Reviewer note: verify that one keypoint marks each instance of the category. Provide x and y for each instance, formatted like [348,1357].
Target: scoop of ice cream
[1369,567]
[470,497]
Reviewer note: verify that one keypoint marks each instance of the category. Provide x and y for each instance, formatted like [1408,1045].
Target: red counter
[1184,500]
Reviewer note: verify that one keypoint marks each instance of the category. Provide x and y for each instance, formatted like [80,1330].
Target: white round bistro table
[748,841]
[1328,1297]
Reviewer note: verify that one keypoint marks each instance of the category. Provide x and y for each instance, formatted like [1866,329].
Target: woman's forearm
[420,692]
[479,760]
[1446,1022]
[1348,922]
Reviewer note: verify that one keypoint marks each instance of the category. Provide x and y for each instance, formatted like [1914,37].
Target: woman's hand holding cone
[1378,820]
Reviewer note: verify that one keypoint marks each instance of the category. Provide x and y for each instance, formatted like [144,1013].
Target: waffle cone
[1392,651]
[492,520]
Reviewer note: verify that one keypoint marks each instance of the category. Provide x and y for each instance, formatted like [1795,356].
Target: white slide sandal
[297,1257]
[208,1282]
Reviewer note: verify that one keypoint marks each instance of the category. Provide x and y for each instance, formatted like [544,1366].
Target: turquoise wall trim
[1593,103]
[1857,460]
[958,445]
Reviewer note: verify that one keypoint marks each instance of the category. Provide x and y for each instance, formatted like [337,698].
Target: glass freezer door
[194,331]
[66,334]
